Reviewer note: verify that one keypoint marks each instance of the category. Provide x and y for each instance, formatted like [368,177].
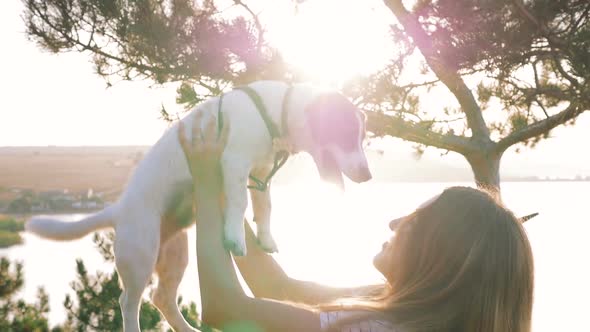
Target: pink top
[329,318]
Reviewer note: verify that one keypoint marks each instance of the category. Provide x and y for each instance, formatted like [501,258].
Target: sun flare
[331,41]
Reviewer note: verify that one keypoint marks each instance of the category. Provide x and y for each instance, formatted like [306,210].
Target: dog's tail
[63,230]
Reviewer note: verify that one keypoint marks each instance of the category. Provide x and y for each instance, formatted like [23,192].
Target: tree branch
[540,127]
[84,47]
[382,124]
[584,15]
[562,71]
[553,42]
[256,22]
[418,85]
[448,76]
[528,16]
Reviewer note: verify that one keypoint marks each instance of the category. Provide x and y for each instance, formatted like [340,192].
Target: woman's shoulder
[329,319]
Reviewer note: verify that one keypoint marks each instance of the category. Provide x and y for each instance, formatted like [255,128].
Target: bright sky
[58,100]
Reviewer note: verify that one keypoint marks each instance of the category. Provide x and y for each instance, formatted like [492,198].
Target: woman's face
[383,260]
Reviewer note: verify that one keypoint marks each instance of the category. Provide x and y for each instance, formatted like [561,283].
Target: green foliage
[27,317]
[529,57]
[164,115]
[104,245]
[189,312]
[8,239]
[96,307]
[484,93]
[9,228]
[21,205]
[181,40]
[11,279]
[187,96]
[17,315]
[11,225]
[518,121]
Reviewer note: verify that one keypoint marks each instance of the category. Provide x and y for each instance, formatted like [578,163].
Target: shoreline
[25,216]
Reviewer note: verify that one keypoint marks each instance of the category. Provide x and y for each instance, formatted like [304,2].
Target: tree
[161,40]
[528,59]
[17,315]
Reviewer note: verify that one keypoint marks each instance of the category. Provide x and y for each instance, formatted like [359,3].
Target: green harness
[280,156]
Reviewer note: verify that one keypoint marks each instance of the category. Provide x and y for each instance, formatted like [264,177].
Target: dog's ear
[332,119]
[316,117]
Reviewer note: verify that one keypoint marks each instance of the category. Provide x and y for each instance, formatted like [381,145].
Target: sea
[329,236]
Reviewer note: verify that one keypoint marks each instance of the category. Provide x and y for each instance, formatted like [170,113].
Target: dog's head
[337,130]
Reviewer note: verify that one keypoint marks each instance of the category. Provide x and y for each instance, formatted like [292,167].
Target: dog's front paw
[267,243]
[235,241]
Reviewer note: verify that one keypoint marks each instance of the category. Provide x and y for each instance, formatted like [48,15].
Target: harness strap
[255,97]
[281,156]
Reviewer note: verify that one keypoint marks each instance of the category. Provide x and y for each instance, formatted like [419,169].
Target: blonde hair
[462,263]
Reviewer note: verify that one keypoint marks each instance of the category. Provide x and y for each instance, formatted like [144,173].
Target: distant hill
[107,168]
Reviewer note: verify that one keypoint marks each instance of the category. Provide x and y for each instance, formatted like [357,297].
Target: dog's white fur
[156,206]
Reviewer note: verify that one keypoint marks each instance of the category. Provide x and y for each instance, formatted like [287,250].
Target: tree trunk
[486,170]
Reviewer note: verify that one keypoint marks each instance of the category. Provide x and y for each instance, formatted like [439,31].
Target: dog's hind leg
[261,205]
[136,250]
[172,262]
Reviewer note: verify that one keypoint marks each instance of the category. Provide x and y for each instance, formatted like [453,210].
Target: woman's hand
[203,153]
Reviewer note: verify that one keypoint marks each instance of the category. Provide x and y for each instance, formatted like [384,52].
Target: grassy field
[9,228]
[104,169]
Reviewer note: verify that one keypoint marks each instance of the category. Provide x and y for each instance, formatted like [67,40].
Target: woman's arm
[267,279]
[223,299]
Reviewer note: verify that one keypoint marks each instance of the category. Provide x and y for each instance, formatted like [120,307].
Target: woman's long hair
[462,263]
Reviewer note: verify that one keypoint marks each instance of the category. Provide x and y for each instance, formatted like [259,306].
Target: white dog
[151,214]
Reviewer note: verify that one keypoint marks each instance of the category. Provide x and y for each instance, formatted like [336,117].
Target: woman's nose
[395,223]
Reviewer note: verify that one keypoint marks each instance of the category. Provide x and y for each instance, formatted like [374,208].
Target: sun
[331,41]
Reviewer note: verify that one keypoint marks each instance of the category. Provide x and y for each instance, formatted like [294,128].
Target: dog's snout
[365,174]
[361,174]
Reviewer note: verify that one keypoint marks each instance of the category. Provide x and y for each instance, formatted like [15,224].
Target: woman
[460,262]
